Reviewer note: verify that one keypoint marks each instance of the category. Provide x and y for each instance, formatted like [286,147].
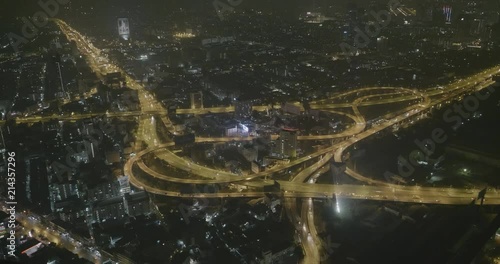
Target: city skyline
[250,132]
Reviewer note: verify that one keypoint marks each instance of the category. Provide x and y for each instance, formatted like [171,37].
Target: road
[420,101]
[44,230]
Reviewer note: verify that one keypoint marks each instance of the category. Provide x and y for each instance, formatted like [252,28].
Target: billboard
[123,28]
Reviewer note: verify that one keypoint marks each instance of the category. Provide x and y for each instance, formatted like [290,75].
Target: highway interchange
[302,184]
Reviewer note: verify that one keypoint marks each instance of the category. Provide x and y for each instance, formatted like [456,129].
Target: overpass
[399,194]
[424,100]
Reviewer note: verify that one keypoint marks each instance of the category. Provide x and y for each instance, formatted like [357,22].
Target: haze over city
[244,131]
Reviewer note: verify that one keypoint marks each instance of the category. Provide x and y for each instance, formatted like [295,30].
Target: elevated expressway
[428,100]
[298,186]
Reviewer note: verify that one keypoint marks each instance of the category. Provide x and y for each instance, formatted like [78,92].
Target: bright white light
[337,207]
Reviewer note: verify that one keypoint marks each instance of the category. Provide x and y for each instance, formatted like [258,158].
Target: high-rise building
[55,81]
[197,100]
[137,204]
[382,44]
[31,82]
[63,191]
[287,143]
[105,191]
[447,10]
[37,184]
[231,130]
[124,184]
[111,209]
[124,28]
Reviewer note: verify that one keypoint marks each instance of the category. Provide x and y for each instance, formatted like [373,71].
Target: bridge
[302,183]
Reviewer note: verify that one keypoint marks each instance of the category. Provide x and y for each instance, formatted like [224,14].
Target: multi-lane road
[299,187]
[336,152]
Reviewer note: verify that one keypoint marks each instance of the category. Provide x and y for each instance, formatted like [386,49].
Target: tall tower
[124,28]
[197,100]
[288,143]
[447,11]
[55,81]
